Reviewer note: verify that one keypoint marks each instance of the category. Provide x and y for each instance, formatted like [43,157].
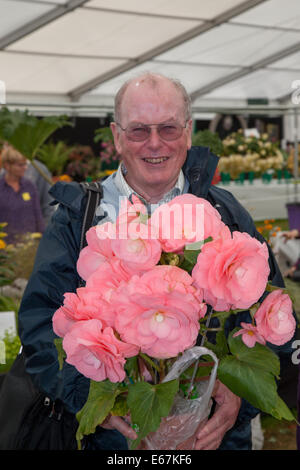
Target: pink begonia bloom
[166,278]
[64,317]
[96,352]
[250,335]
[105,281]
[137,250]
[108,276]
[184,220]
[88,262]
[233,270]
[161,324]
[85,304]
[97,250]
[99,236]
[274,318]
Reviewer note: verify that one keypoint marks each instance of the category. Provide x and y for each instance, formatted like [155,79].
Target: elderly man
[152,133]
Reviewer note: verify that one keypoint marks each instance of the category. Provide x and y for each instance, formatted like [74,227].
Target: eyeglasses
[140,132]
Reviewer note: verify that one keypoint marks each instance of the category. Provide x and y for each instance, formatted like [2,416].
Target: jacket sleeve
[54,273]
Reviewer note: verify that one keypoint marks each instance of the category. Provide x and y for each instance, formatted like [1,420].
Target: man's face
[143,104]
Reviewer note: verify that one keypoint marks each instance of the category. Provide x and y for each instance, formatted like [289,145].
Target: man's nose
[154,139]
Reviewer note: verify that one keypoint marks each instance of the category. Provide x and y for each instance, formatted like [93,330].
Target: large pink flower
[161,323]
[107,278]
[86,304]
[274,318]
[166,278]
[135,248]
[97,353]
[98,249]
[185,220]
[233,271]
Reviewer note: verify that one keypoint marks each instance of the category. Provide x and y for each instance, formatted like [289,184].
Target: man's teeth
[156,160]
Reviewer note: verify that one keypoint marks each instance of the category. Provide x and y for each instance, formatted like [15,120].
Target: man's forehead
[157,86]
[143,96]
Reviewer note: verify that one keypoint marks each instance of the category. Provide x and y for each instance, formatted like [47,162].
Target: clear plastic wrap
[177,431]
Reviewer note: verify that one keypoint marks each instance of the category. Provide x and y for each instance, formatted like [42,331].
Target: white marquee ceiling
[77,53]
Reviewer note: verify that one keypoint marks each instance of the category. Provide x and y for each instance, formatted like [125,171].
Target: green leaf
[250,373]
[54,156]
[120,407]
[60,352]
[101,400]
[103,134]
[28,138]
[8,304]
[252,383]
[191,256]
[258,356]
[132,368]
[27,133]
[148,404]
[221,344]
[191,253]
[209,139]
[282,411]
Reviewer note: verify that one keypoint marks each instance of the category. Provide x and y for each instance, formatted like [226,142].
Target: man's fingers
[211,436]
[213,426]
[115,422]
[224,417]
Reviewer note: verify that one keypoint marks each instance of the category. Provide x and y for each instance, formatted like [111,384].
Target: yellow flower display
[249,154]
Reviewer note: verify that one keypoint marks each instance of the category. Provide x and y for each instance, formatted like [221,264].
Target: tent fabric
[81,51]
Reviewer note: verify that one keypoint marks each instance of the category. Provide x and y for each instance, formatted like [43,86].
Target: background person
[19,202]
[42,186]
[286,248]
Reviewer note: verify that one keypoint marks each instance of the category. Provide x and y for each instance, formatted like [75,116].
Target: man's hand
[115,422]
[291,235]
[290,272]
[224,417]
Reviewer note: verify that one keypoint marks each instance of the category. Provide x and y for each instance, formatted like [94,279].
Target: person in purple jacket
[19,201]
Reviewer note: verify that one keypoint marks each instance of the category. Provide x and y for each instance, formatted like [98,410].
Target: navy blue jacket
[55,273]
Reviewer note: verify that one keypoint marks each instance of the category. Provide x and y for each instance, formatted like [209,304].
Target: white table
[263,200]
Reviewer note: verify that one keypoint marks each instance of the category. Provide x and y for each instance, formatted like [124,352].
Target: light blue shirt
[115,189]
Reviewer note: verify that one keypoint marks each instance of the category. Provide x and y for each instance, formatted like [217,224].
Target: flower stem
[149,361]
[161,370]
[213,329]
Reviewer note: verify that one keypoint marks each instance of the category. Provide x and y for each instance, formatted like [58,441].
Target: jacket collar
[199,168]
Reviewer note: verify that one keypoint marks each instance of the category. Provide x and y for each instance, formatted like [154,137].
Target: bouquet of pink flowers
[151,282]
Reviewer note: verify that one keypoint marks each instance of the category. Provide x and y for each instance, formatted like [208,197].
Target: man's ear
[116,136]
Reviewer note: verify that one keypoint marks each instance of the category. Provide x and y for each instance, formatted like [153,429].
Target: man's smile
[156,160]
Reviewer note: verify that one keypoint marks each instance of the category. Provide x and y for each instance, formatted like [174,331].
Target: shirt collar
[3,182]
[127,191]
